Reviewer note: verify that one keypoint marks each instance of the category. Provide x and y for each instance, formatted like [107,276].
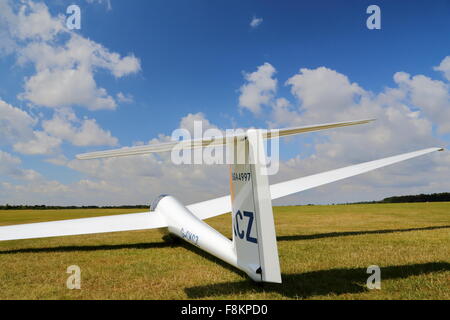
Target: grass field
[324,253]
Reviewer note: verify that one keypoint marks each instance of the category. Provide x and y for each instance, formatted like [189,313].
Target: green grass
[324,253]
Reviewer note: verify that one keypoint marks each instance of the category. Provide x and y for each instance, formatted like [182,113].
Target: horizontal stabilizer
[121,222]
[211,142]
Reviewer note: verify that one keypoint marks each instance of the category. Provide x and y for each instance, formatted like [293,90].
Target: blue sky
[192,57]
[193,53]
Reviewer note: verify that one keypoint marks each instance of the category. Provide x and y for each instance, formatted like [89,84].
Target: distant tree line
[45,207]
[435,197]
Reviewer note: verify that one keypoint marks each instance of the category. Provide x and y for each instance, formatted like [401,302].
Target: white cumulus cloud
[65,125]
[15,124]
[65,62]
[41,143]
[259,88]
[255,22]
[431,96]
[10,166]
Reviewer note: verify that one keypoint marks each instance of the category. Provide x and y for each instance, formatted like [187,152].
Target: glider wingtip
[364,121]
[81,156]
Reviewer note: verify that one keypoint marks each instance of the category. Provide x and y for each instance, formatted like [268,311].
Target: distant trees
[435,197]
[45,207]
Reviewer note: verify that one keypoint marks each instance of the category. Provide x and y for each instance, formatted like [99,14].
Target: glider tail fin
[254,236]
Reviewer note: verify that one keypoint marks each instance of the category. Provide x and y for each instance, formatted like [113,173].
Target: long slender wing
[210,142]
[203,210]
[269,134]
[293,186]
[215,207]
[121,222]
[211,208]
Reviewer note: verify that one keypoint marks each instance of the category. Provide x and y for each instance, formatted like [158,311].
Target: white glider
[253,248]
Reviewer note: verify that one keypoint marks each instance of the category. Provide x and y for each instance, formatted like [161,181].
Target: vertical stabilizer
[253,226]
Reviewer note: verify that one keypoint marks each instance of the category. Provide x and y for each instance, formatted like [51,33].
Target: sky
[137,70]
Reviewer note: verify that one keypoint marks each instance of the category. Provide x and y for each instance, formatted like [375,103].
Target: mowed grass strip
[324,254]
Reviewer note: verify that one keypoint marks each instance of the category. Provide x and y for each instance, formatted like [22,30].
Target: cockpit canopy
[156,201]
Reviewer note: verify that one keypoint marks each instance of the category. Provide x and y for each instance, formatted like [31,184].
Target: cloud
[322,89]
[132,180]
[444,67]
[65,125]
[125,98]
[18,128]
[404,123]
[255,22]
[65,74]
[7,44]
[428,174]
[431,96]
[399,128]
[59,160]
[107,2]
[64,62]
[259,88]
[66,87]
[10,166]
[41,143]
[188,121]
[15,124]
[64,68]
[139,179]
[324,95]
[78,51]
[283,113]
[32,21]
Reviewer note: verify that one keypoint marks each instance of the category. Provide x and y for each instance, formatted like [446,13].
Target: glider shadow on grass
[297,286]
[170,242]
[354,233]
[87,248]
[315,283]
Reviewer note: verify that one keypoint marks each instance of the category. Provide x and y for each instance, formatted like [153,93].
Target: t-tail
[254,236]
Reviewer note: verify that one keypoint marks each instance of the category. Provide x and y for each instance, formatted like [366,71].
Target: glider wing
[121,222]
[203,210]
[215,207]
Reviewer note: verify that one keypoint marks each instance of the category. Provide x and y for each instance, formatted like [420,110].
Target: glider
[253,248]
